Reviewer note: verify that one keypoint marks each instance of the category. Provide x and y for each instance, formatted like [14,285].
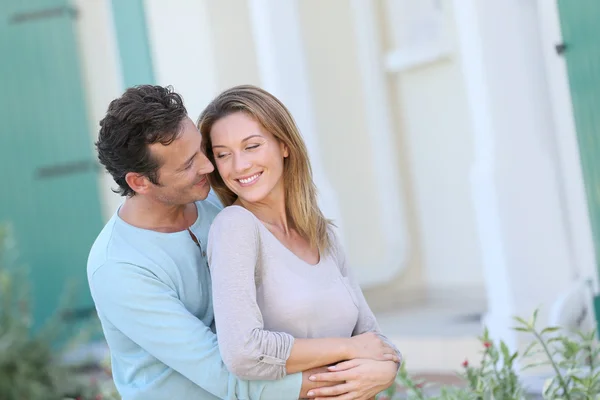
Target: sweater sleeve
[366,319]
[248,350]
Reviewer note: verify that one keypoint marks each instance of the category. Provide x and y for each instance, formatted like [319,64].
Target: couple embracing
[219,277]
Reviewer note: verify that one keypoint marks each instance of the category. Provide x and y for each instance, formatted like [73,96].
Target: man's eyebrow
[243,140]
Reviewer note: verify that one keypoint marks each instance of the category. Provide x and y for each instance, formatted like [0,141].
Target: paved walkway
[436,332]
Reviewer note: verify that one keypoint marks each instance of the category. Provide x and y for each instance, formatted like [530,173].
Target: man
[147,269]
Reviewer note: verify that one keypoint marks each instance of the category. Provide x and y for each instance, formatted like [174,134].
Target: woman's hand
[363,379]
[370,345]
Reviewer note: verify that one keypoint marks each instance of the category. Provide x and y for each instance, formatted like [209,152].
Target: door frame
[574,195]
[103,78]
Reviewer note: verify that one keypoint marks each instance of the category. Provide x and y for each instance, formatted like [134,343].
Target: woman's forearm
[313,353]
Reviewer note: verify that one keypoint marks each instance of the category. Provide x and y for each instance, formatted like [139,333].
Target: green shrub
[573,358]
[30,366]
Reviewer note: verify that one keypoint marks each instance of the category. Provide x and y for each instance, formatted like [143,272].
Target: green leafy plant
[573,357]
[30,366]
[495,377]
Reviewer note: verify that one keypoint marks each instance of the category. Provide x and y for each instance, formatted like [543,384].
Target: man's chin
[203,194]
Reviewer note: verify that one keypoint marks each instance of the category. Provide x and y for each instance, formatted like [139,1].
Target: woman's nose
[241,163]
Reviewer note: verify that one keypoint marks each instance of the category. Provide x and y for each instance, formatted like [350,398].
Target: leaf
[513,357]
[577,379]
[504,350]
[548,386]
[534,317]
[533,365]
[521,320]
[549,329]
[529,348]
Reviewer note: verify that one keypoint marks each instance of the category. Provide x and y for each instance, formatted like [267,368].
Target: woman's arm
[366,319]
[312,353]
[247,349]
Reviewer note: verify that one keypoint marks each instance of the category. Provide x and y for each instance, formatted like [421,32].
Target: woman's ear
[284,150]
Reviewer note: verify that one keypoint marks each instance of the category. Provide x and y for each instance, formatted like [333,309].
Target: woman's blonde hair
[300,191]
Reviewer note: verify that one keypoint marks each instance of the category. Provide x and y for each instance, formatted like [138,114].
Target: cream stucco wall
[431,140]
[227,52]
[339,97]
[101,72]
[438,142]
[234,50]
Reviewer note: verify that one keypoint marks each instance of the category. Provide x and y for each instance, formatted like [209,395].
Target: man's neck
[146,213]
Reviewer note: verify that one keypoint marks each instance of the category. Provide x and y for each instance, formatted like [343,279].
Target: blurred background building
[451,140]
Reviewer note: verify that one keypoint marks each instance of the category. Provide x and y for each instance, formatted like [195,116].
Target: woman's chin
[252,196]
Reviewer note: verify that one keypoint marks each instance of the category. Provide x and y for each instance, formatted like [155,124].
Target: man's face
[183,171]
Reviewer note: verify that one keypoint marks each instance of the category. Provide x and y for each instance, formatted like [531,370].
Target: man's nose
[206,167]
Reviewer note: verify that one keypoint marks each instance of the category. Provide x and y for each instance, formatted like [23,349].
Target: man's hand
[308,385]
[362,378]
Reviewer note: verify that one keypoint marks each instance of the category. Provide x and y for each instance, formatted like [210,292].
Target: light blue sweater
[153,295]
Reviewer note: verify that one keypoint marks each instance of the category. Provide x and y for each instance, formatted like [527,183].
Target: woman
[283,296]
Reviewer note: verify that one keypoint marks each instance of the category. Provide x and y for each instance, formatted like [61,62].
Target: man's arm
[149,312]
[309,384]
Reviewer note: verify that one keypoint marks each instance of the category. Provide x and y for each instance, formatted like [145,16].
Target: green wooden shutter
[580,25]
[132,38]
[49,169]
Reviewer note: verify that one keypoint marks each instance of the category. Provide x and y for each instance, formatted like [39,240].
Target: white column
[102,79]
[181,45]
[283,72]
[380,131]
[515,182]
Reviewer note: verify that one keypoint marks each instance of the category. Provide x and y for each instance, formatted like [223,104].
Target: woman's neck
[271,211]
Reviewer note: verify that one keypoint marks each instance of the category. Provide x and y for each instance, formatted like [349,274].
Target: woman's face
[249,159]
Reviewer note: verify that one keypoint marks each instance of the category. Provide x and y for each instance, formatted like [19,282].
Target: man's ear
[138,182]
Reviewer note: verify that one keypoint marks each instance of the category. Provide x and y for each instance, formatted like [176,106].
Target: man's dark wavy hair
[143,115]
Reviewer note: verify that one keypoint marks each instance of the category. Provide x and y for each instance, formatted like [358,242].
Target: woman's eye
[221,155]
[252,146]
